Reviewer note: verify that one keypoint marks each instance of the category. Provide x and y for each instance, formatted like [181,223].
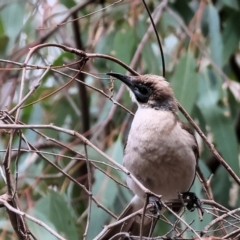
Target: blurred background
[200,41]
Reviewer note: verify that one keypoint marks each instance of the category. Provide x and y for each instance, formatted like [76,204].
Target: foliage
[201,48]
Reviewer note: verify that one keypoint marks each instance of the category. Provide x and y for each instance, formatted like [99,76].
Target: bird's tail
[131,225]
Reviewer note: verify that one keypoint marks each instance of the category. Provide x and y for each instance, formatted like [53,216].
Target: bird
[161,152]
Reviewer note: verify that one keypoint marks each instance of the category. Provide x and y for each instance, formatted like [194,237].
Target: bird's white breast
[159,153]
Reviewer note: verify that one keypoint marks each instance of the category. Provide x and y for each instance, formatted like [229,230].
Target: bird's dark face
[141,91]
[148,90]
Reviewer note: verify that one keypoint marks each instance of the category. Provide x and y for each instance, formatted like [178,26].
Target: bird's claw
[156,205]
[194,201]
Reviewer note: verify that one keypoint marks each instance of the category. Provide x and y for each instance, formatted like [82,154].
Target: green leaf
[152,60]
[105,45]
[105,111]
[216,45]
[167,23]
[55,209]
[124,43]
[3,37]
[68,3]
[105,190]
[231,35]
[117,152]
[62,111]
[232,4]
[13,23]
[218,119]
[3,42]
[2,31]
[221,183]
[62,58]
[183,8]
[184,81]
[38,231]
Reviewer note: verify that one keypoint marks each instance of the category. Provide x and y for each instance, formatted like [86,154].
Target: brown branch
[43,38]
[83,96]
[218,219]
[133,64]
[143,216]
[62,171]
[79,53]
[180,219]
[85,141]
[18,223]
[164,3]
[209,144]
[89,173]
[201,49]
[75,181]
[16,211]
[120,221]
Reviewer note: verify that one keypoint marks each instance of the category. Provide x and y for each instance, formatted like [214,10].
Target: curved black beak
[124,78]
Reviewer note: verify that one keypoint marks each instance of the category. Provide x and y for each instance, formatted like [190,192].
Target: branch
[22,214]
[83,97]
[209,144]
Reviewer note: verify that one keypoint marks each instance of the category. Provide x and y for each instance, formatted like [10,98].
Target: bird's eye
[142,90]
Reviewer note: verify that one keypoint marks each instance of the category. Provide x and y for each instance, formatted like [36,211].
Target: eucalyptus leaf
[55,210]
[218,119]
[124,46]
[105,190]
[39,231]
[234,4]
[185,81]
[68,3]
[231,35]
[13,23]
[221,186]
[30,34]
[216,44]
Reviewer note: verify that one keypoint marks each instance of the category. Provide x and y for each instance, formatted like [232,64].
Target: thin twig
[231,234]
[45,36]
[132,65]
[90,192]
[16,165]
[97,90]
[120,221]
[87,15]
[180,219]
[143,216]
[190,34]
[209,144]
[36,85]
[35,220]
[82,91]
[156,33]
[220,218]
[86,141]
[76,182]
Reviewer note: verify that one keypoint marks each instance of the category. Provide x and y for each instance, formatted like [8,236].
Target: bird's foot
[156,205]
[193,201]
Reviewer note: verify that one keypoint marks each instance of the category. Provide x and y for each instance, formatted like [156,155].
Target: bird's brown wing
[195,149]
[185,126]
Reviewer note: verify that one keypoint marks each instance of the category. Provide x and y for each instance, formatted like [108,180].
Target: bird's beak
[125,79]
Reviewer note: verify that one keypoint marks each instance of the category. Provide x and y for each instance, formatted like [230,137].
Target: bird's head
[149,91]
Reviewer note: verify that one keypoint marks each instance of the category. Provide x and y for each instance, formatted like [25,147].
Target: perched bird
[161,151]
